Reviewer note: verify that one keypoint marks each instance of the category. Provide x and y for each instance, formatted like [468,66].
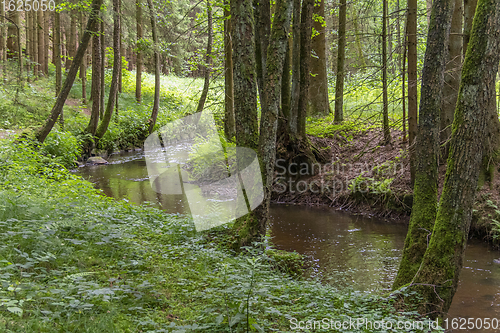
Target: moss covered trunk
[427,143]
[229,128]
[438,277]
[305,65]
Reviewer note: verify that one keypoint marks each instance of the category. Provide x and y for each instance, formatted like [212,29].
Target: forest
[249,165]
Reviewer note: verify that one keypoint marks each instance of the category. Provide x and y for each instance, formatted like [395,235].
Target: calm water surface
[347,250]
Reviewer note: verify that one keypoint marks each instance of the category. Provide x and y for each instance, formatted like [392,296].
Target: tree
[276,53]
[385,113]
[71,41]
[305,66]
[295,94]
[244,74]
[229,121]
[412,81]
[70,78]
[83,66]
[262,25]
[438,277]
[452,77]
[339,85]
[156,102]
[113,89]
[427,143]
[208,61]
[319,104]
[96,85]
[138,69]
[57,49]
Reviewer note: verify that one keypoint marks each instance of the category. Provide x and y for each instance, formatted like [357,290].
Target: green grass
[72,260]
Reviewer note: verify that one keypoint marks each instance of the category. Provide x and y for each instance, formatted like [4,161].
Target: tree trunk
[103,68]
[83,67]
[319,105]
[29,51]
[208,61]
[469,11]
[276,53]
[96,85]
[437,280]
[71,41]
[412,82]
[12,32]
[305,65]
[103,126]
[451,78]
[244,75]
[138,70]
[425,190]
[262,24]
[34,43]
[294,101]
[156,102]
[385,102]
[339,85]
[285,88]
[57,49]
[46,23]
[70,78]
[229,121]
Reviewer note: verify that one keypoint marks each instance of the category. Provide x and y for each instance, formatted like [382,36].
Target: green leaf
[16,310]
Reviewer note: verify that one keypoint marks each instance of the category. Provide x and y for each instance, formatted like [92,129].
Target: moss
[288,262]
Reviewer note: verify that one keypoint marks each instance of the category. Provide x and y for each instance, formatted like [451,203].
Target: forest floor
[368,178]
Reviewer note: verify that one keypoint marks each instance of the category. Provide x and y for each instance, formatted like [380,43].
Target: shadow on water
[349,251]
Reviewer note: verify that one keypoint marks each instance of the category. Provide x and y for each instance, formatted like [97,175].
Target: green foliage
[72,260]
[63,147]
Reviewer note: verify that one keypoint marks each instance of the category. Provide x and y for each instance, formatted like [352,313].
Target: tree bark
[46,23]
[71,41]
[276,54]
[96,84]
[437,280]
[113,89]
[34,43]
[208,60]
[305,65]
[469,11]
[244,75]
[451,78]
[70,78]
[156,102]
[57,49]
[138,70]
[83,66]
[412,82]
[339,85]
[262,24]
[385,102]
[103,67]
[425,190]
[294,101]
[319,105]
[229,121]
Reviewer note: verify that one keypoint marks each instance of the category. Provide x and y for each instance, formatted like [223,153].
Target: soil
[76,104]
[366,177]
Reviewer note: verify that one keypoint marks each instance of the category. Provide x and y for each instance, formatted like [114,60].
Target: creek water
[350,251]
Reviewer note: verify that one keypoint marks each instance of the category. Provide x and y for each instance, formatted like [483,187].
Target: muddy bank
[365,177]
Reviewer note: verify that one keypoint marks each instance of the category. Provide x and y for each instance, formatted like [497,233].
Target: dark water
[347,250]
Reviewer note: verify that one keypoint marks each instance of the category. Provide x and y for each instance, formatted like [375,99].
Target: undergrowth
[73,260]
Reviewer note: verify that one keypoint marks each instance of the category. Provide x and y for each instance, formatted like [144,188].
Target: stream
[347,250]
